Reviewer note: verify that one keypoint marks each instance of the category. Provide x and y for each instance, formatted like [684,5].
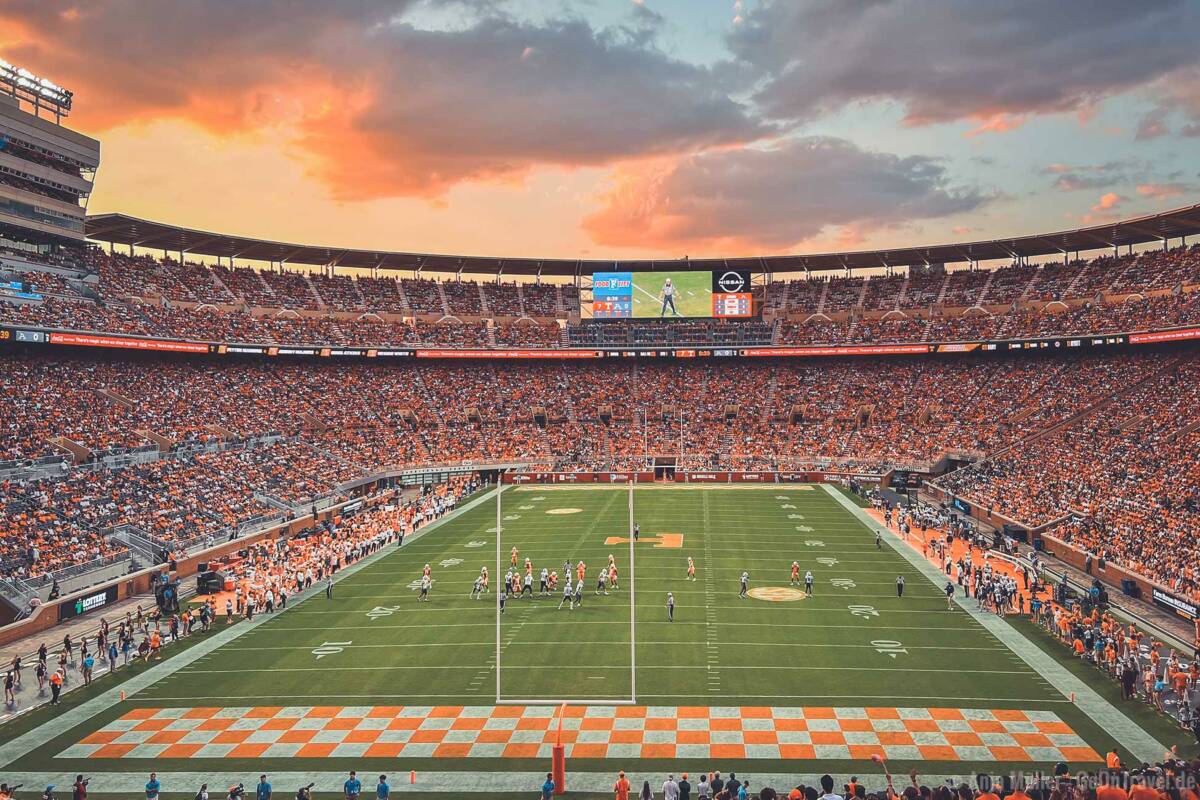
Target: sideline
[1136,740]
[454,784]
[29,741]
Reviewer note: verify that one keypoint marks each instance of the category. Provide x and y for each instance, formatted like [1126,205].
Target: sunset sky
[614,128]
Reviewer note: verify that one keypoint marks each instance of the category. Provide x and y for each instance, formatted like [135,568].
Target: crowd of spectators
[683,333]
[703,414]
[145,296]
[1148,271]
[208,323]
[1135,314]
[771,411]
[1126,477]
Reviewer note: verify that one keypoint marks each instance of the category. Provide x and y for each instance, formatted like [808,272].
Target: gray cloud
[1088,177]
[948,60]
[1152,125]
[774,198]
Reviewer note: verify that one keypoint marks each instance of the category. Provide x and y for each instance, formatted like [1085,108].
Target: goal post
[563,700]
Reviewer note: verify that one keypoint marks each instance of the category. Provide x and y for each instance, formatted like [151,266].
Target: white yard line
[1114,722]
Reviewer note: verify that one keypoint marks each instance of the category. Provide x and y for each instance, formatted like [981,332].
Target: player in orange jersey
[795,573]
[691,569]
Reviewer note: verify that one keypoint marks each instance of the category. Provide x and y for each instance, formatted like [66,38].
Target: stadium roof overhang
[126,230]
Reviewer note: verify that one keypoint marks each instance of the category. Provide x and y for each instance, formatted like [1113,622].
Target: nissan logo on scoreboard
[731,281]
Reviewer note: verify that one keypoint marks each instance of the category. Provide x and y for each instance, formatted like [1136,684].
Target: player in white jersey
[808,582]
[425,584]
[477,589]
[508,576]
[567,596]
[528,589]
[544,583]
[745,584]
[601,580]
[579,593]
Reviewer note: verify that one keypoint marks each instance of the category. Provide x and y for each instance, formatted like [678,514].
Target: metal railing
[48,578]
[138,541]
[258,523]
[21,590]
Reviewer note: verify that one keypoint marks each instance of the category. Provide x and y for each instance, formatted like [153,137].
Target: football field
[778,682]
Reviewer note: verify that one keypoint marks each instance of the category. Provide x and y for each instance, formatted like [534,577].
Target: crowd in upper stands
[143,296]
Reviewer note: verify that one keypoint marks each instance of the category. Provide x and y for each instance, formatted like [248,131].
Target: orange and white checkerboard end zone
[464,732]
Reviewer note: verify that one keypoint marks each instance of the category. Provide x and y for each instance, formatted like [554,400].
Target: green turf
[814,652]
[693,294]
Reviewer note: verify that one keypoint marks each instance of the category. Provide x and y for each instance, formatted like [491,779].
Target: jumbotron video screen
[669,295]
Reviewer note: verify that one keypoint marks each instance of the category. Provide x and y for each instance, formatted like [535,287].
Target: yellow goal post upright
[501,700]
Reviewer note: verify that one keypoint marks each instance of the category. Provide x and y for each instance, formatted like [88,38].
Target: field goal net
[563,698]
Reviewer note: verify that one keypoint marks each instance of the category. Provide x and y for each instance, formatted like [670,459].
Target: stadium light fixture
[30,88]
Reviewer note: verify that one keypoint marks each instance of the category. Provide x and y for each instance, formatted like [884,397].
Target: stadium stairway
[486,309]
[220,284]
[403,297]
[441,290]
[312,289]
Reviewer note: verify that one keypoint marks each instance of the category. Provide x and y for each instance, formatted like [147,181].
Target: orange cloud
[1000,122]
[1109,201]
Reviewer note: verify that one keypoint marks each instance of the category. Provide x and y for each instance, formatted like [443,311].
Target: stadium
[278,517]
